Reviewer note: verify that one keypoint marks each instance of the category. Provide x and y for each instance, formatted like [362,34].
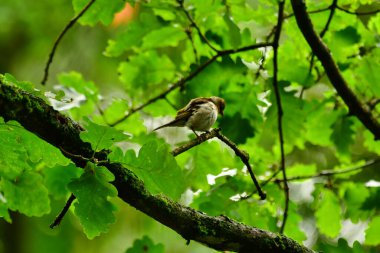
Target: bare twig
[328,173]
[244,157]
[264,183]
[68,26]
[339,8]
[310,12]
[62,214]
[357,13]
[373,103]
[279,109]
[190,37]
[193,24]
[332,8]
[183,81]
[322,52]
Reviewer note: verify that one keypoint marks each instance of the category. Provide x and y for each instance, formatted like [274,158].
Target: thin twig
[332,8]
[264,183]
[183,81]
[310,12]
[321,174]
[68,26]
[328,173]
[190,37]
[357,13]
[193,24]
[373,103]
[279,109]
[62,214]
[244,157]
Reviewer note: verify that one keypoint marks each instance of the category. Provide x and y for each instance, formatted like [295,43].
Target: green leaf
[343,134]
[168,36]
[4,210]
[58,178]
[157,168]
[146,245]
[319,123]
[292,228]
[134,33]
[18,145]
[372,232]
[355,194]
[146,71]
[301,170]
[12,157]
[230,124]
[93,208]
[26,194]
[205,159]
[75,80]
[234,31]
[346,36]
[28,86]
[101,137]
[328,214]
[101,11]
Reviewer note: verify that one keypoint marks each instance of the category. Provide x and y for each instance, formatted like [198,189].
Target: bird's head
[220,104]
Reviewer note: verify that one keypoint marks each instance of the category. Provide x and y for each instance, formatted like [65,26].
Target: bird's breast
[203,117]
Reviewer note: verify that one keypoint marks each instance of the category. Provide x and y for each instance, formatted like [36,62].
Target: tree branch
[244,157]
[332,70]
[280,110]
[216,232]
[58,40]
[183,81]
[62,214]
[328,173]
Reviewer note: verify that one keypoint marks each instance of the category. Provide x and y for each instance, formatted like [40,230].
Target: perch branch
[58,40]
[244,157]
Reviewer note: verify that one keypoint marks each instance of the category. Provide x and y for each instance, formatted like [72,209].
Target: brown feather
[186,112]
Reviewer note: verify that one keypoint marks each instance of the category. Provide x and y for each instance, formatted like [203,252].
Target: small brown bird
[198,115]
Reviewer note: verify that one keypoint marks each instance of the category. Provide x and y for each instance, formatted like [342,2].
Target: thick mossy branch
[219,232]
[323,53]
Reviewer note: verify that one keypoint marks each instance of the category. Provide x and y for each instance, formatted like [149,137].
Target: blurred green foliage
[106,67]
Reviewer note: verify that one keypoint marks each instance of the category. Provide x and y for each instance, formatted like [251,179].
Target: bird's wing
[193,104]
[184,113]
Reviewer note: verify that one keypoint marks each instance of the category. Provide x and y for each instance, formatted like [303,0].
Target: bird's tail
[174,123]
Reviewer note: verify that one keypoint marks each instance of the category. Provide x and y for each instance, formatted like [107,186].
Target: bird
[198,115]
